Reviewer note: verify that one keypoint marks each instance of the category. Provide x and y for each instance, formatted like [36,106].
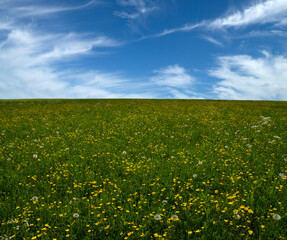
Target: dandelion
[174,217]
[10,221]
[200,163]
[164,202]
[226,147]
[283,176]
[17,227]
[35,198]
[76,215]
[35,156]
[8,159]
[285,159]
[237,216]
[124,152]
[276,217]
[194,175]
[27,224]
[157,217]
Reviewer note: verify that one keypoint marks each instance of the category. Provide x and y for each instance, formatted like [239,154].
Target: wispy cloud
[270,11]
[29,60]
[41,10]
[135,8]
[266,12]
[173,76]
[34,63]
[135,12]
[245,77]
[5,25]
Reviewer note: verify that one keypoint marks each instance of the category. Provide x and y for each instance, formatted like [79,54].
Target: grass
[210,169]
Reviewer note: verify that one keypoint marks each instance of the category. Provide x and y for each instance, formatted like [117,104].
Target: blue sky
[189,49]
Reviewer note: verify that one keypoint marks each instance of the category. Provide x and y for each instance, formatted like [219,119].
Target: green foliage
[219,165]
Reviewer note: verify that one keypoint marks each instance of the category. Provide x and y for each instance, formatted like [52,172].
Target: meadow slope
[143,169]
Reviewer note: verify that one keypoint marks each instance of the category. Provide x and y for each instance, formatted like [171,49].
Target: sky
[156,49]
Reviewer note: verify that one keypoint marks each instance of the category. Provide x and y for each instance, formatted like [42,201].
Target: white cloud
[245,77]
[172,76]
[270,11]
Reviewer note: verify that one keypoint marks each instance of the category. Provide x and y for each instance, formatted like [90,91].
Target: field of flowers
[143,169]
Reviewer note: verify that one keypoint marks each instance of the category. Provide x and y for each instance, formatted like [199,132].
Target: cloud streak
[211,40]
[271,11]
[268,12]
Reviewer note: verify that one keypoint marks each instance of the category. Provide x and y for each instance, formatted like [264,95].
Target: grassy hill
[143,169]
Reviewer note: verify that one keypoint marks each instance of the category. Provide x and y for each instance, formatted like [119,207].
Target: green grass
[220,165]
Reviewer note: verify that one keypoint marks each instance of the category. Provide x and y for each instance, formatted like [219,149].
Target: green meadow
[143,169]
